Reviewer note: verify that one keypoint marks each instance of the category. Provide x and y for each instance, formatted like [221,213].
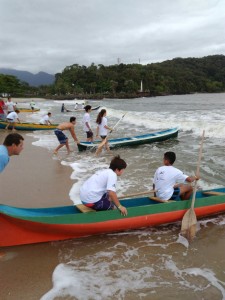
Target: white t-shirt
[165,178]
[12,116]
[10,105]
[44,120]
[97,185]
[86,119]
[102,130]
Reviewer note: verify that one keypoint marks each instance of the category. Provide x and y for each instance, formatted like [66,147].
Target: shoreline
[34,174]
[32,179]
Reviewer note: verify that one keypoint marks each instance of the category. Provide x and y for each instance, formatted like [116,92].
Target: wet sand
[32,179]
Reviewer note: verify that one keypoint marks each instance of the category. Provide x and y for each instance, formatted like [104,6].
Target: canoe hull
[28,109]
[158,136]
[81,109]
[28,126]
[44,225]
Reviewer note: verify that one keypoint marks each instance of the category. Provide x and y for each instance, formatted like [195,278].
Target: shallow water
[153,263]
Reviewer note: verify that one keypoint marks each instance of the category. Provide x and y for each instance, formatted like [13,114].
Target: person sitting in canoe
[11,118]
[99,191]
[46,119]
[102,128]
[62,138]
[167,180]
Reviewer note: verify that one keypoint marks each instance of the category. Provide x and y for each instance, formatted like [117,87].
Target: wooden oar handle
[137,194]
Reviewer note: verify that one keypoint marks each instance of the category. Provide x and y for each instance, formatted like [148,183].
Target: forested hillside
[176,76]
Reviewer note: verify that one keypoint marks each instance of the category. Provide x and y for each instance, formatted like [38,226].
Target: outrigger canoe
[28,126]
[21,109]
[153,137]
[35,225]
[81,109]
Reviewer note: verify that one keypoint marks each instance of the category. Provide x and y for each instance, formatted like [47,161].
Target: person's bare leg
[67,146]
[59,147]
[185,191]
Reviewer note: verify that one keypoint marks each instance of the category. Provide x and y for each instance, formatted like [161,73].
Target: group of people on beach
[99,191]
[102,129]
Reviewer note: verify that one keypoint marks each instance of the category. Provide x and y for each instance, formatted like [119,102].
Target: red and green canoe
[35,225]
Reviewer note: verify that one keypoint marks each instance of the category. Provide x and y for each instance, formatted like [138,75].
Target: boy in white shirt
[46,119]
[99,191]
[12,118]
[167,180]
[10,105]
[87,123]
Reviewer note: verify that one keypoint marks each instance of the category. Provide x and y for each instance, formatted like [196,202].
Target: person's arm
[88,126]
[97,131]
[109,128]
[115,200]
[72,131]
[192,178]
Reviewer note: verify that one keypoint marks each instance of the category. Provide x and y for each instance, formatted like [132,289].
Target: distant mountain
[38,79]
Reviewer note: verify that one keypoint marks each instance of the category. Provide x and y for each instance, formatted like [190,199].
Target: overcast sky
[48,35]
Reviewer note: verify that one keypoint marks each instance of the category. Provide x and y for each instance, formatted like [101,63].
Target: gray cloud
[48,35]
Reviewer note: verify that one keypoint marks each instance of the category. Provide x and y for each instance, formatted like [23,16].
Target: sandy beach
[32,179]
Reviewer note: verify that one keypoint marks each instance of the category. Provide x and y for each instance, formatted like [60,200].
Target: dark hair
[72,119]
[13,138]
[17,111]
[87,108]
[49,113]
[117,163]
[100,116]
[170,156]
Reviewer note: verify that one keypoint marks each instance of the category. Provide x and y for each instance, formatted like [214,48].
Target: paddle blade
[100,147]
[188,225]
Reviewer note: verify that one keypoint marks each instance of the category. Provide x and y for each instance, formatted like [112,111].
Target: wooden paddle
[137,194]
[102,144]
[189,221]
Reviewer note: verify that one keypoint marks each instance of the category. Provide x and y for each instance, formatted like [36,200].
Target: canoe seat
[84,208]
[157,199]
[212,193]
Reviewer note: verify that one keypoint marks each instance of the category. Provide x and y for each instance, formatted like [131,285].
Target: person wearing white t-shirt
[102,128]
[99,191]
[12,118]
[169,181]
[87,123]
[10,106]
[46,119]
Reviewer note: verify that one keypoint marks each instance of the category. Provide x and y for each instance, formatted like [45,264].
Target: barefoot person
[102,128]
[46,119]
[12,145]
[168,181]
[62,138]
[99,191]
[12,118]
[87,123]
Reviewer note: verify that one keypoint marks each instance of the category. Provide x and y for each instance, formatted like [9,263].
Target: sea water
[153,263]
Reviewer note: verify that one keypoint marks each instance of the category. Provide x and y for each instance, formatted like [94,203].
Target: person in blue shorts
[62,138]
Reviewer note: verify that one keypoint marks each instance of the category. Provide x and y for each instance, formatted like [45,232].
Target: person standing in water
[87,123]
[102,128]
[62,138]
